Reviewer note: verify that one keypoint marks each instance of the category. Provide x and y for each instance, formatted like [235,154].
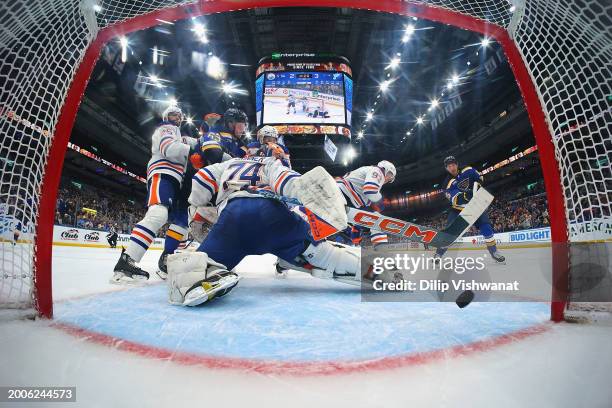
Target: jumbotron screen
[304,97]
[299,97]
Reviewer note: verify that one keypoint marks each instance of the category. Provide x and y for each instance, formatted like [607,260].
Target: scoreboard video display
[305,97]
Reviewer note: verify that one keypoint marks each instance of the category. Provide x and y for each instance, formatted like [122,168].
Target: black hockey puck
[465,299]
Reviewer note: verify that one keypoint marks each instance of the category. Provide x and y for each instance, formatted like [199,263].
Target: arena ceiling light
[385,85]
[200,32]
[360,134]
[369,116]
[214,68]
[435,103]
[230,89]
[394,63]
[485,42]
[189,120]
[124,44]
[420,120]
[408,31]
[172,101]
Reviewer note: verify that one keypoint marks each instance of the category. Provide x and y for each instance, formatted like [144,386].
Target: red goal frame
[53,168]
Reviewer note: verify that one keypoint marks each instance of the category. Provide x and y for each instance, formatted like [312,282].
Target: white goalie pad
[194,278]
[317,191]
[329,260]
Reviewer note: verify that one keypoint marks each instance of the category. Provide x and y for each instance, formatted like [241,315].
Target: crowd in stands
[85,207]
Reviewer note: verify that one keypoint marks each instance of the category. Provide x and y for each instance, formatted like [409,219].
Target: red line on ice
[302,368]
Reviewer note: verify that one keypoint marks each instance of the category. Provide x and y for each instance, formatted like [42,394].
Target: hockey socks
[174,236]
[144,232]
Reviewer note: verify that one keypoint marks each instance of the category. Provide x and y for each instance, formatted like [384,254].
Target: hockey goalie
[249,224]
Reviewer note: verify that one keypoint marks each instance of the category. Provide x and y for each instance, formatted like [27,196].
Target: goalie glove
[201,220]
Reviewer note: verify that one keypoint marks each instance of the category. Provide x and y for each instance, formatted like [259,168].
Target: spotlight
[214,68]
[369,116]
[409,30]
[124,44]
[485,42]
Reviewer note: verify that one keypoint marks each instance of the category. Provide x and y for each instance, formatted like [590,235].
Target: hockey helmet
[172,110]
[450,160]
[235,115]
[267,132]
[388,169]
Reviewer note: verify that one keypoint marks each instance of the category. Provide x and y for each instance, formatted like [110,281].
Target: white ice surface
[275,111]
[567,366]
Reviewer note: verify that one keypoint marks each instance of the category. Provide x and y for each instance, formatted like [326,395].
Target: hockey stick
[413,232]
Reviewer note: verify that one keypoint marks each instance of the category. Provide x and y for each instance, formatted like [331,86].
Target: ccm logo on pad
[392,226]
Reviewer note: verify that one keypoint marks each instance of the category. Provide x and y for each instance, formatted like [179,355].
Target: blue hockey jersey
[459,189]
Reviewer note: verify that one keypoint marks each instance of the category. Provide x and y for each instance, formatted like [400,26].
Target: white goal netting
[565,45]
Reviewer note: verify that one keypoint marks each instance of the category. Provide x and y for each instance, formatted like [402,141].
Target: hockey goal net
[314,104]
[560,53]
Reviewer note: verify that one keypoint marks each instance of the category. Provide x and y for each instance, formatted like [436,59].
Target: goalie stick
[394,226]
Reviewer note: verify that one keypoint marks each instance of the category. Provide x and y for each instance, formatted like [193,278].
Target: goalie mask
[267,134]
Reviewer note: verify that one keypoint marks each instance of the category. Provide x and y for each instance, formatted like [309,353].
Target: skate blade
[199,295]
[121,279]
[162,275]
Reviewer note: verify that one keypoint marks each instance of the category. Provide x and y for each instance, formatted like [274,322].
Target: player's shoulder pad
[225,135]
[468,168]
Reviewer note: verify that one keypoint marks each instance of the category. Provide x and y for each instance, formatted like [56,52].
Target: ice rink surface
[275,111]
[299,342]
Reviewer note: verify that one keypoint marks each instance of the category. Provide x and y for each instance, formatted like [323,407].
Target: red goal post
[49,49]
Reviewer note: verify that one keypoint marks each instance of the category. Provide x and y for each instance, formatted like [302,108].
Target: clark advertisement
[89,238]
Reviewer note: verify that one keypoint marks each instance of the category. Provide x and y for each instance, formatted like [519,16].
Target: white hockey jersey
[226,179]
[169,152]
[362,186]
